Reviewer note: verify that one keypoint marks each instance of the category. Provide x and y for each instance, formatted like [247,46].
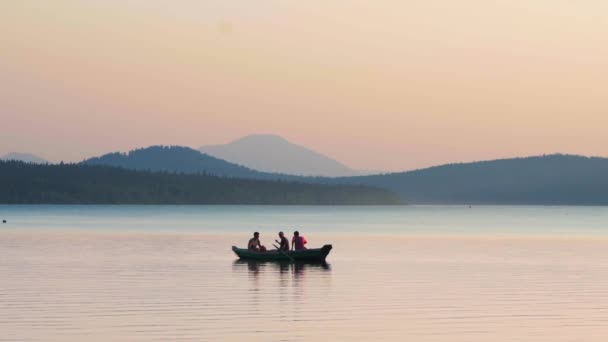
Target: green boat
[307,255]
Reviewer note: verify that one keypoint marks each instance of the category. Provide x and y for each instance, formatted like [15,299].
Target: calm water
[166,273]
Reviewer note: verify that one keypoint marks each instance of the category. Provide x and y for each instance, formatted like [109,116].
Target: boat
[313,255]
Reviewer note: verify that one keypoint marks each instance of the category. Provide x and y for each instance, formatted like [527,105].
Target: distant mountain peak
[24,157]
[262,137]
[273,153]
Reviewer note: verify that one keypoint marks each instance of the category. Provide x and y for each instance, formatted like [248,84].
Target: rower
[284,243]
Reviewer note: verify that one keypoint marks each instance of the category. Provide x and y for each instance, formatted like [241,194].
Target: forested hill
[23,183]
[549,180]
[176,159]
[544,180]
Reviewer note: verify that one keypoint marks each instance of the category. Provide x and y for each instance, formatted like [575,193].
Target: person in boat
[284,243]
[298,242]
[254,243]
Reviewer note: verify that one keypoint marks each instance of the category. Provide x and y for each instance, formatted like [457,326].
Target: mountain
[547,180]
[24,157]
[175,159]
[543,180]
[271,153]
[25,183]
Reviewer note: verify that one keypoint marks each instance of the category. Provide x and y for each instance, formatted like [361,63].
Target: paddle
[285,254]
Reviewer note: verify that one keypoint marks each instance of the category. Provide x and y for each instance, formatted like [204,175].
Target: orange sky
[381,84]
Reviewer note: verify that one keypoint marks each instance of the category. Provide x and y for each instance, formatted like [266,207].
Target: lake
[410,273]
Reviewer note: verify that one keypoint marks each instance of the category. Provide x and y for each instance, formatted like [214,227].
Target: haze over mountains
[24,157]
[272,153]
[551,179]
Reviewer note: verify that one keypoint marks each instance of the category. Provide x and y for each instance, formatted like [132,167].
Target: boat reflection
[297,268]
[292,284]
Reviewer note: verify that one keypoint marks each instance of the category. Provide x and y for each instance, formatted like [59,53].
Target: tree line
[25,183]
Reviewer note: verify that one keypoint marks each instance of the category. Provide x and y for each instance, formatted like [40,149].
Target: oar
[285,254]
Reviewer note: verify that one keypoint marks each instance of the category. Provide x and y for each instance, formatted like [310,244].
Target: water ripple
[76,286]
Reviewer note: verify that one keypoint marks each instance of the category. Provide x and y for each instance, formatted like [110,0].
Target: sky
[378,84]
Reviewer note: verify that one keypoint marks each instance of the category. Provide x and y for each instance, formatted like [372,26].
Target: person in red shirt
[298,241]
